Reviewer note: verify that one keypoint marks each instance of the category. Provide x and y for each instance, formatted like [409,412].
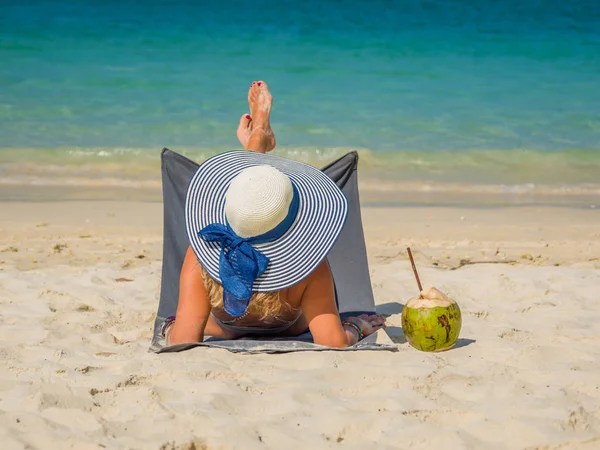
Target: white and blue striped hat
[315,218]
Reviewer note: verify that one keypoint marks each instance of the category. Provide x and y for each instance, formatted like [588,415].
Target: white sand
[75,371]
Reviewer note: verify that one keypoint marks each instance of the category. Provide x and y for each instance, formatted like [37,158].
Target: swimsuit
[256,331]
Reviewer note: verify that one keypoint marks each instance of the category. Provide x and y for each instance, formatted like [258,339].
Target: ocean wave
[518,171]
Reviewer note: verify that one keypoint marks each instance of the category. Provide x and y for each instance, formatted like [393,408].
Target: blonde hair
[262,304]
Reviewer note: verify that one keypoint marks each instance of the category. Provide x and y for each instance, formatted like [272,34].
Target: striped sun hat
[261,223]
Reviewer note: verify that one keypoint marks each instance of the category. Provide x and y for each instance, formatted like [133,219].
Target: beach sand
[79,290]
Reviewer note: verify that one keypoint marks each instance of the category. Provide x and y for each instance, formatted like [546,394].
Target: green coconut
[431,322]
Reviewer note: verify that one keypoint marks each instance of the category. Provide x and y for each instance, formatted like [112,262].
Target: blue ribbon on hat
[240,264]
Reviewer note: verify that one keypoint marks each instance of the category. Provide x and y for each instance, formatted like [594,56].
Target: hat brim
[322,212]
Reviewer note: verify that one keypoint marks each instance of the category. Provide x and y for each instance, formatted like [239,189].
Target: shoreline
[458,178]
[416,195]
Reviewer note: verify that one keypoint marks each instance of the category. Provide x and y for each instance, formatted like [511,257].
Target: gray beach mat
[348,261]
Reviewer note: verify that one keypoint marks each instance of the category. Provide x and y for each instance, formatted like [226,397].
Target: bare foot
[261,138]
[244,130]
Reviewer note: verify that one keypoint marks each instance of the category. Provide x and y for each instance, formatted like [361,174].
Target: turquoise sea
[450,98]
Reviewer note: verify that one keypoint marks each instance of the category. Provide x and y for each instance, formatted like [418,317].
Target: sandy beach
[79,290]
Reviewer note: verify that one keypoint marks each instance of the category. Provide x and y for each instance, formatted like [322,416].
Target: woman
[260,228]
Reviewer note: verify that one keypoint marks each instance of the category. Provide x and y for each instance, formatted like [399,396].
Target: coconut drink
[431,322]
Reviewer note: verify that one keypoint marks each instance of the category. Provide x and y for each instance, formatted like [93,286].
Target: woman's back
[268,312]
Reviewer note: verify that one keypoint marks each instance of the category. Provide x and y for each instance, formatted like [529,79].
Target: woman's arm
[194,305]
[319,309]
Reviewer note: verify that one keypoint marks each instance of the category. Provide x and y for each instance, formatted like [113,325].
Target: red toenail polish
[248,116]
[259,84]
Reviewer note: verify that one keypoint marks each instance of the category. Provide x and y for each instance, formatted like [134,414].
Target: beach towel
[348,261]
